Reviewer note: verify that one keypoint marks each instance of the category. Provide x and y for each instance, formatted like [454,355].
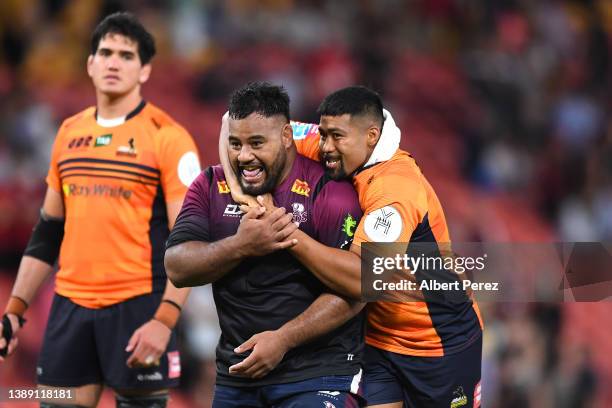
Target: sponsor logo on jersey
[300,187]
[348,226]
[459,398]
[232,210]
[129,150]
[383,225]
[223,187]
[301,130]
[98,190]
[299,213]
[188,168]
[328,404]
[103,140]
[174,364]
[156,376]
[477,395]
[79,142]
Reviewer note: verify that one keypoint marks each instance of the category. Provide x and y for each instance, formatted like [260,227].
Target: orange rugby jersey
[398,189]
[115,182]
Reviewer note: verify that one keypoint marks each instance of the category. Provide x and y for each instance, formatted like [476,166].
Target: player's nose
[327,145]
[245,155]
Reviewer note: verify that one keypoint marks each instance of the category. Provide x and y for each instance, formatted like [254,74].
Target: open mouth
[332,163]
[252,174]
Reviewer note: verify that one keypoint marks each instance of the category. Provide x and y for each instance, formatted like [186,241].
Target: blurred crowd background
[505,105]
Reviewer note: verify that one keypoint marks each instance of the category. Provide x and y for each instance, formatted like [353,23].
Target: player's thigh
[68,357]
[141,398]
[382,384]
[235,397]
[451,380]
[83,396]
[122,320]
[321,399]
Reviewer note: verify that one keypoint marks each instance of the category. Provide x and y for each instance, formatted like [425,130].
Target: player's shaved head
[361,103]
[262,98]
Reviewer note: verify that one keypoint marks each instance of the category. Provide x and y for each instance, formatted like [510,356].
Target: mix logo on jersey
[300,187]
[232,210]
[223,187]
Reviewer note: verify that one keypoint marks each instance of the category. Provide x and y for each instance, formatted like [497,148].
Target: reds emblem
[223,187]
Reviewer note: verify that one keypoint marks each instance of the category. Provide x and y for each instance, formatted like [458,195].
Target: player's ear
[287,135]
[145,73]
[373,135]
[89,64]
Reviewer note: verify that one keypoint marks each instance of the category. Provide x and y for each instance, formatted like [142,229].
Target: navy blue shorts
[87,346]
[341,391]
[448,381]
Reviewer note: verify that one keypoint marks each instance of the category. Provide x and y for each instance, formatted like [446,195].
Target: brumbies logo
[127,150]
[300,187]
[223,187]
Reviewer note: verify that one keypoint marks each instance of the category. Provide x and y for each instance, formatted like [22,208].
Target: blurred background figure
[506,106]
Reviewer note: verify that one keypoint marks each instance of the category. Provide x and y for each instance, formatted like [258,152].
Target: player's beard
[339,173]
[273,174]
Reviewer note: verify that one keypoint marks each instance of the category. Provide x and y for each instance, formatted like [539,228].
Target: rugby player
[267,302]
[421,354]
[118,174]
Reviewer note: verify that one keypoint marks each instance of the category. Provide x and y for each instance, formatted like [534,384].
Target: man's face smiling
[257,152]
[343,145]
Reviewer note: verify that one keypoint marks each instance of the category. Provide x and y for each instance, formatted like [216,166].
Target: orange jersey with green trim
[115,182]
[396,191]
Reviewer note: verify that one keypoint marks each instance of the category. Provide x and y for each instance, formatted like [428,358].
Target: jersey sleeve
[192,223]
[53,177]
[178,161]
[306,137]
[336,213]
[394,208]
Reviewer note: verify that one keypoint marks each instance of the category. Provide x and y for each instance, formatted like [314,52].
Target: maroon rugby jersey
[263,293]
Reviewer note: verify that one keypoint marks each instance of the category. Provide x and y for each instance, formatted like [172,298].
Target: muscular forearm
[30,276]
[196,263]
[325,314]
[338,269]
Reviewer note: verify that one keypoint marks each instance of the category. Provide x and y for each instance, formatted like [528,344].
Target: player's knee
[142,401]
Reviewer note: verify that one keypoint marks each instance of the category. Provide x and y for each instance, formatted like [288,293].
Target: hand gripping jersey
[396,194]
[115,182]
[263,293]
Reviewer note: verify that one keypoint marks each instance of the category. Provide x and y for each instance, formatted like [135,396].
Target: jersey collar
[120,120]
